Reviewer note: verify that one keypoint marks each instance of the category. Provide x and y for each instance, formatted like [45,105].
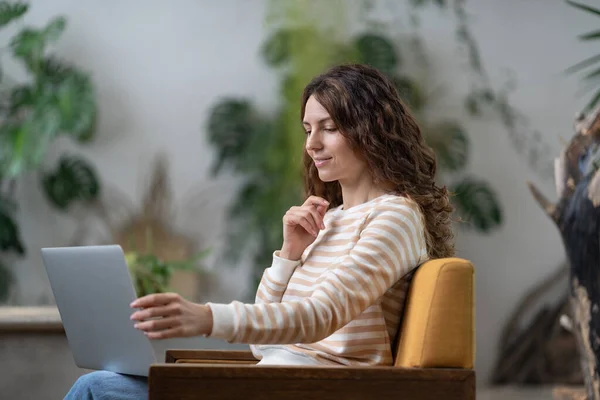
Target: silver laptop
[93,289]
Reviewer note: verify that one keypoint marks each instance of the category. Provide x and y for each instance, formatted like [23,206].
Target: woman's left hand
[172,316]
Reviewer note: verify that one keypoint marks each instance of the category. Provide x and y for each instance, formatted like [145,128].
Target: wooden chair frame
[219,374]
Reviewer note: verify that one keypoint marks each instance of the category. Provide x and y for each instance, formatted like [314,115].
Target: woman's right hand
[301,225]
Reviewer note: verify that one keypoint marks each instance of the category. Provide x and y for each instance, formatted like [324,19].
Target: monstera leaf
[276,50]
[11,10]
[280,46]
[450,143]
[230,129]
[60,101]
[29,44]
[70,92]
[23,144]
[73,180]
[75,99]
[477,204]
[377,52]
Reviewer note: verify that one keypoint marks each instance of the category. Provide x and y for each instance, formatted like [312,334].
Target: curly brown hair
[367,109]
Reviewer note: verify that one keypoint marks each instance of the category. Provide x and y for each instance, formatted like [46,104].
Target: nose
[313,141]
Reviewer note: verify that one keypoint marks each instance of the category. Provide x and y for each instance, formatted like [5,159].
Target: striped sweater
[341,302]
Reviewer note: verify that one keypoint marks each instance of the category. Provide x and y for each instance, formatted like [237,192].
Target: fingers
[166,334]
[320,204]
[312,214]
[294,218]
[161,328]
[322,210]
[307,217]
[157,311]
[316,201]
[153,300]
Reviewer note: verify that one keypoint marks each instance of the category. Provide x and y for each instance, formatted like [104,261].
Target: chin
[325,177]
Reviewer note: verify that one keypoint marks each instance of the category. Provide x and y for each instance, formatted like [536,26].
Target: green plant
[150,274]
[266,149]
[590,63]
[57,99]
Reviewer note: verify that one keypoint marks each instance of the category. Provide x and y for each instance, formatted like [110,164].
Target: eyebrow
[326,119]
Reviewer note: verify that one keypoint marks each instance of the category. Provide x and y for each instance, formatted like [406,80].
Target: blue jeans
[104,385]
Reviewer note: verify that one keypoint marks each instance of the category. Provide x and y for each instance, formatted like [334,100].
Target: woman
[334,292]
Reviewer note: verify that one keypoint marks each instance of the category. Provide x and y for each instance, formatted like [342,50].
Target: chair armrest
[216,382]
[210,357]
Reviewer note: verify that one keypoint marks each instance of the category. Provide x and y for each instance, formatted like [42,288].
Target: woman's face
[329,149]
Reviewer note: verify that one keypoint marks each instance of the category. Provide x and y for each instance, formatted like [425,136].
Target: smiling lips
[319,162]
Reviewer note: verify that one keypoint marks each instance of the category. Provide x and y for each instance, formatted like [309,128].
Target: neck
[359,191]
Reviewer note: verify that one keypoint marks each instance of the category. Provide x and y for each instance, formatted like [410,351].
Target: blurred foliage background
[263,147]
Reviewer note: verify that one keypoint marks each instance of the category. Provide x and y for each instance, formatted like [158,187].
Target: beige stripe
[361,329]
[244,323]
[406,228]
[258,330]
[346,221]
[373,347]
[359,278]
[272,336]
[355,307]
[320,264]
[358,343]
[370,314]
[391,303]
[412,223]
[331,242]
[391,315]
[341,289]
[267,290]
[331,254]
[272,281]
[381,279]
[366,251]
[290,334]
[366,353]
[261,296]
[410,248]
